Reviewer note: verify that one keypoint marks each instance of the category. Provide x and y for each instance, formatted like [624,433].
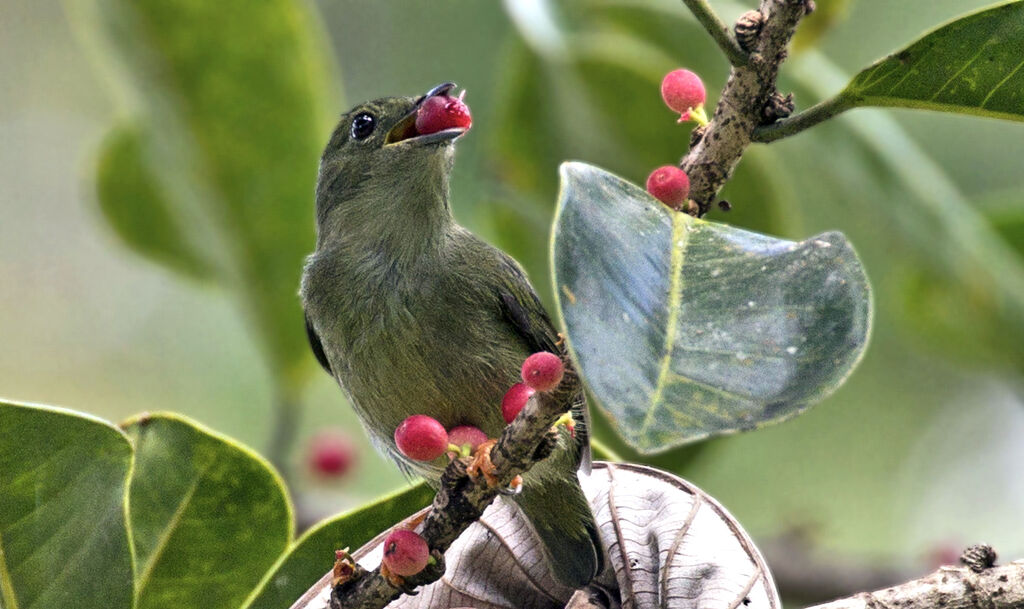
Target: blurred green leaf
[971,65]
[312,555]
[63,534]
[962,317]
[137,207]
[208,516]
[812,29]
[685,328]
[232,97]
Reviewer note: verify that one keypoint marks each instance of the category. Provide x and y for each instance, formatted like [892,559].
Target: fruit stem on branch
[741,107]
[718,30]
[806,119]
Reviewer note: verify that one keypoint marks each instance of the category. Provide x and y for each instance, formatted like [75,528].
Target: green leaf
[962,316]
[312,555]
[972,65]
[137,206]
[232,96]
[685,328]
[63,532]
[208,516]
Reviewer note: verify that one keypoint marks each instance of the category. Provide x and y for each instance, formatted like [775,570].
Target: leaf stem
[285,415]
[810,117]
[718,30]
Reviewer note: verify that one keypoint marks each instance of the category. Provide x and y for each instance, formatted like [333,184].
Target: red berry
[421,438]
[331,453]
[515,399]
[466,435]
[670,185]
[405,553]
[682,90]
[442,112]
[543,371]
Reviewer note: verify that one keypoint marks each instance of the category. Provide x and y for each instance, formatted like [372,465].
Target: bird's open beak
[405,129]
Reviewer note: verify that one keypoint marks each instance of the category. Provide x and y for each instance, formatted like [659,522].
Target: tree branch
[742,106]
[462,498]
[718,30]
[999,587]
[802,120]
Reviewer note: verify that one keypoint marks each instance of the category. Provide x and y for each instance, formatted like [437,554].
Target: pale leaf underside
[668,545]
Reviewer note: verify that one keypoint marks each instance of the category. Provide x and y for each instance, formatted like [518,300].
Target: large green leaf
[232,96]
[972,65]
[685,328]
[137,207]
[63,535]
[208,516]
[313,554]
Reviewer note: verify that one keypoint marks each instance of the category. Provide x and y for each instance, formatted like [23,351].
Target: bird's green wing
[524,312]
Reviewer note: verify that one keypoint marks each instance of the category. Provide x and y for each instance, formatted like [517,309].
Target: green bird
[413,314]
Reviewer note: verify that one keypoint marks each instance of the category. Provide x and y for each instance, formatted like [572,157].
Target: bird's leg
[481,463]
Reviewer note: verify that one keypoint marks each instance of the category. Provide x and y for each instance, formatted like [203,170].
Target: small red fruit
[515,399]
[331,453]
[543,371]
[421,438]
[670,185]
[683,91]
[405,553]
[466,436]
[441,112]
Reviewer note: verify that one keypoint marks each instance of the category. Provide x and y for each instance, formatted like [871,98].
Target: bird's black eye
[362,126]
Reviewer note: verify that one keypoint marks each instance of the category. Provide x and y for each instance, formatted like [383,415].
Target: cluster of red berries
[423,438]
[683,92]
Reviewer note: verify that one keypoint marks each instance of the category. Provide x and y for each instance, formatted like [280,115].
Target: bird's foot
[481,463]
[514,488]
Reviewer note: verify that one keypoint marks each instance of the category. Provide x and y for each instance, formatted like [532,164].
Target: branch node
[748,28]
[777,107]
[979,557]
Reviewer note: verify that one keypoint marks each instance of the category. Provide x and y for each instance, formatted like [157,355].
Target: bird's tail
[561,517]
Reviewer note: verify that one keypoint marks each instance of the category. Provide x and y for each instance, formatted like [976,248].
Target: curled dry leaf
[668,546]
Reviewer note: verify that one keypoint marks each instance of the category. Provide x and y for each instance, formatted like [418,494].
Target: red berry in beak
[405,553]
[670,185]
[683,91]
[441,112]
[543,371]
[421,438]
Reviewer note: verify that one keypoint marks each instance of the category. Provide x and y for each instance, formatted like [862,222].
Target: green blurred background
[920,450]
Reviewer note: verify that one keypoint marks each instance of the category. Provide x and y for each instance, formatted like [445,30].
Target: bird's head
[376,154]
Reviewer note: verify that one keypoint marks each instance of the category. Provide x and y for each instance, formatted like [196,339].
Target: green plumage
[412,314]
